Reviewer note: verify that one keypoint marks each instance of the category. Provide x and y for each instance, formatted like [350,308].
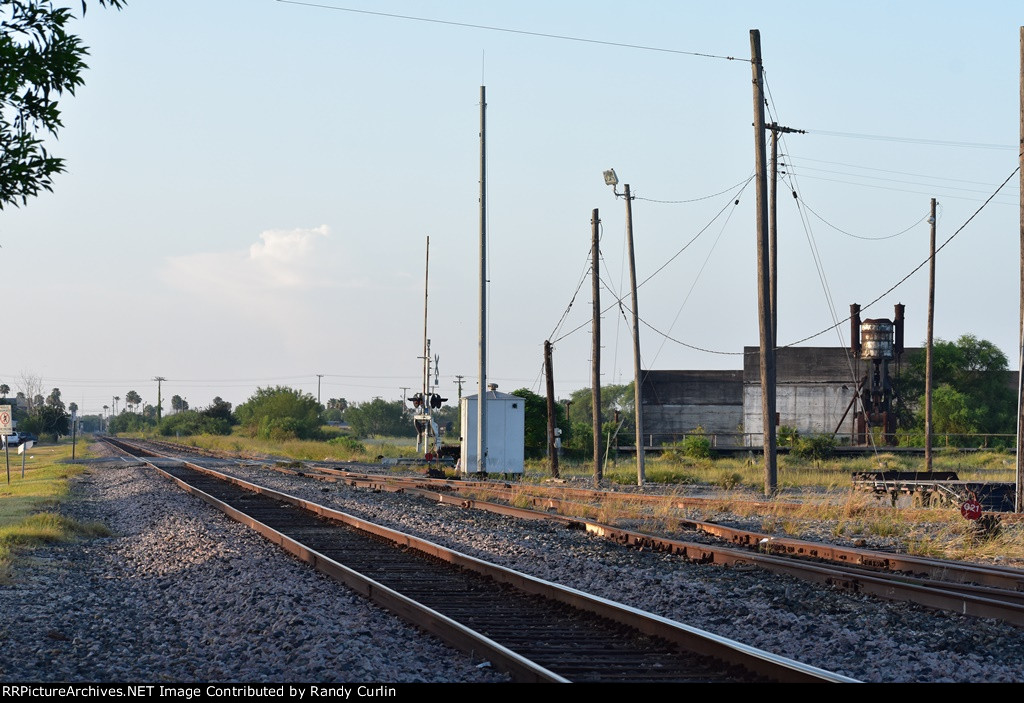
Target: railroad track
[987,591]
[536,630]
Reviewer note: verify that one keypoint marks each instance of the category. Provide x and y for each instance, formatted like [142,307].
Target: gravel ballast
[182,593]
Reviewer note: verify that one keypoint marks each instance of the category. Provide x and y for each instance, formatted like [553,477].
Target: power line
[912,140]
[857,236]
[695,200]
[733,200]
[864,307]
[802,169]
[916,268]
[507,30]
[801,159]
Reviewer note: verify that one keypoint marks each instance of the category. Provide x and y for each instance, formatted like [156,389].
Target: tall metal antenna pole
[426,342]
[481,406]
[1019,493]
[763,274]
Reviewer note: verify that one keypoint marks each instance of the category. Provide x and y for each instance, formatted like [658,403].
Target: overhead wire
[919,266]
[801,159]
[696,278]
[543,35]
[696,200]
[733,200]
[910,140]
[857,236]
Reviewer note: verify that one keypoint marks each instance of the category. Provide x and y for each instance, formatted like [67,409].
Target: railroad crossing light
[610,179]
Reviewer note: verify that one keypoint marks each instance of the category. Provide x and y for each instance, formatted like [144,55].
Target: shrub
[697,445]
[730,481]
[816,447]
[349,443]
[190,422]
[788,436]
[280,413]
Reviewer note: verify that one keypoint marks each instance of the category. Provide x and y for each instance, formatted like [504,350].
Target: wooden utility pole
[595,349]
[763,290]
[929,369]
[637,379]
[159,403]
[1019,493]
[552,416]
[773,229]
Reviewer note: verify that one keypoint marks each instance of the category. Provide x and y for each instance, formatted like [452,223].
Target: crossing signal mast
[427,400]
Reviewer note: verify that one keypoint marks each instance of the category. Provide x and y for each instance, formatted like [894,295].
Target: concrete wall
[809,408]
[677,402]
[814,386]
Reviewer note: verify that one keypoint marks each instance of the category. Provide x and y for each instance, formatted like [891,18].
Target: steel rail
[942,570]
[689,638]
[958,594]
[955,597]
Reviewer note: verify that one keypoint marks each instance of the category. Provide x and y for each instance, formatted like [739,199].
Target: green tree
[53,400]
[378,417]
[335,410]
[53,421]
[613,397]
[535,430]
[90,423]
[132,399]
[4,390]
[39,62]
[178,404]
[129,422]
[220,409]
[979,395]
[186,422]
[280,413]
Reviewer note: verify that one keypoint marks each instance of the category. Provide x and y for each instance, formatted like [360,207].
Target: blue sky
[250,187]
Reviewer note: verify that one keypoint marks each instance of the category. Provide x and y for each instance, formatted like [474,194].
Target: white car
[13,439]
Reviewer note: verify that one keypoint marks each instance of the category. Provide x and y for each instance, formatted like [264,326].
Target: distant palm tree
[133,399]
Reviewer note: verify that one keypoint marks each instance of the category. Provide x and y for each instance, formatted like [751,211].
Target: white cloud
[287,258]
[266,279]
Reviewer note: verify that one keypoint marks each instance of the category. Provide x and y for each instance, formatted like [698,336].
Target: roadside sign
[25,446]
[6,421]
[970,509]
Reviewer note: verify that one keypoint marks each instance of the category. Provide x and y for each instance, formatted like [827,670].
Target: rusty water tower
[878,343]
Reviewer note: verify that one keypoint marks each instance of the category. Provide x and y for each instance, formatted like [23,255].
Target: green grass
[27,505]
[366,450]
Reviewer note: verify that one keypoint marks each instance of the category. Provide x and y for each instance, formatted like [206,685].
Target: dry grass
[827,505]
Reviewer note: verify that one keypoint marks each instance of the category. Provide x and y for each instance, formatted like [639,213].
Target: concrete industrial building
[815,388]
